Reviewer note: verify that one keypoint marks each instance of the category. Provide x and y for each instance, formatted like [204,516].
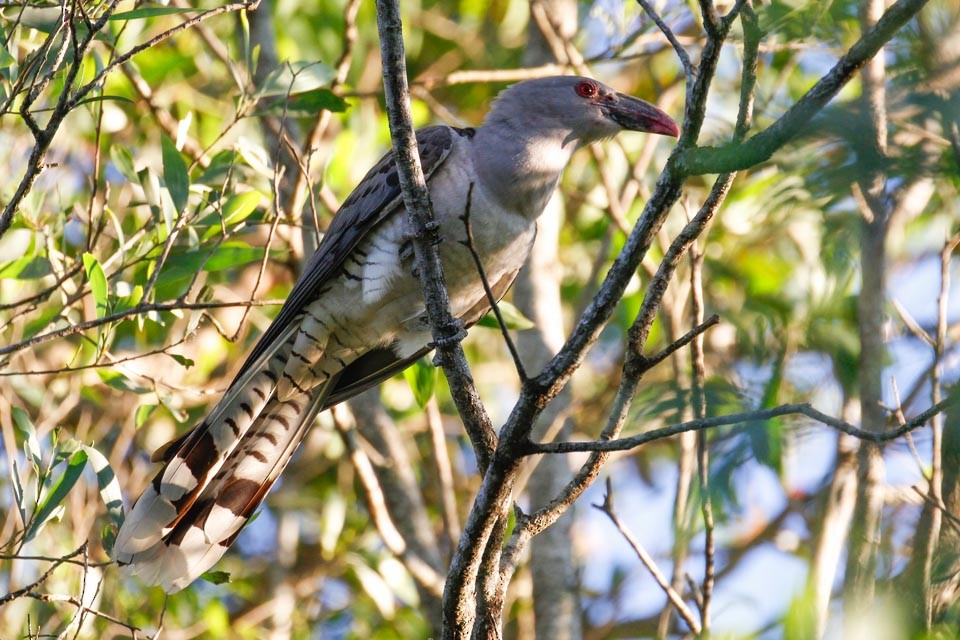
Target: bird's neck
[521,165]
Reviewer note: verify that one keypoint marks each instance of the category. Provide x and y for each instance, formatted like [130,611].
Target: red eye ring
[587,89]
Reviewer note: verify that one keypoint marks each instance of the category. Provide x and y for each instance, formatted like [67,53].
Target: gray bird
[356,315]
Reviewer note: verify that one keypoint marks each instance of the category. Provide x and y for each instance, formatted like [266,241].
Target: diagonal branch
[759,148]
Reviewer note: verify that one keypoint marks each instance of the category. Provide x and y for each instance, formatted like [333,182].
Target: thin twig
[675,598]
[19,593]
[488,290]
[689,69]
[129,313]
[73,600]
[703,457]
[803,408]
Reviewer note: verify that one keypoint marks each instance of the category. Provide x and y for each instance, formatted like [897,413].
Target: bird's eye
[587,89]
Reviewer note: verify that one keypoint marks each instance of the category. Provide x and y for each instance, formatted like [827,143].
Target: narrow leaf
[296,77]
[108,485]
[25,268]
[98,283]
[104,99]
[148,12]
[18,490]
[306,104]
[50,505]
[31,443]
[175,175]
[123,160]
[119,381]
[143,412]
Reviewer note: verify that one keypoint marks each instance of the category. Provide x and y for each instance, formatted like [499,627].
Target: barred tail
[213,480]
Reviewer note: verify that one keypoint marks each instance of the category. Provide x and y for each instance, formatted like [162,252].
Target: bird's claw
[460,334]
[428,227]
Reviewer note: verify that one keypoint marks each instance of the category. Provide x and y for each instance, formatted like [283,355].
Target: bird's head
[587,110]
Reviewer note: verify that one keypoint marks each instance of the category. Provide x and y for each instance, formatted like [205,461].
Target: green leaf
[119,381]
[25,268]
[6,60]
[41,321]
[175,174]
[108,485]
[296,77]
[123,160]
[801,619]
[422,378]
[511,317]
[98,283]
[143,412]
[31,444]
[237,209]
[310,103]
[50,506]
[124,303]
[183,360]
[306,104]
[105,98]
[149,12]
[216,577]
[184,263]
[18,490]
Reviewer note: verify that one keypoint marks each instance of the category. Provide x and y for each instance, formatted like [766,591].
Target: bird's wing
[374,199]
[202,464]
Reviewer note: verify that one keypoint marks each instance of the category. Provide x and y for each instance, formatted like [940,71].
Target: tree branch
[625,444]
[759,148]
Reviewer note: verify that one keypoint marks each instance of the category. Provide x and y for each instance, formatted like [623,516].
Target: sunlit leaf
[124,303]
[51,505]
[117,380]
[98,283]
[333,516]
[374,586]
[143,412]
[31,443]
[107,484]
[511,317]
[215,577]
[422,378]
[237,209]
[296,77]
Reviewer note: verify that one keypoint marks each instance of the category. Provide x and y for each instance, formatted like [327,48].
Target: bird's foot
[459,333]
[429,229]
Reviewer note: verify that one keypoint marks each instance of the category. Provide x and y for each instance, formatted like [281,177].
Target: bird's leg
[407,254]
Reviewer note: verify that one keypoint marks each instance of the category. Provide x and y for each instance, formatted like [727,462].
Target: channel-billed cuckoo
[356,315]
